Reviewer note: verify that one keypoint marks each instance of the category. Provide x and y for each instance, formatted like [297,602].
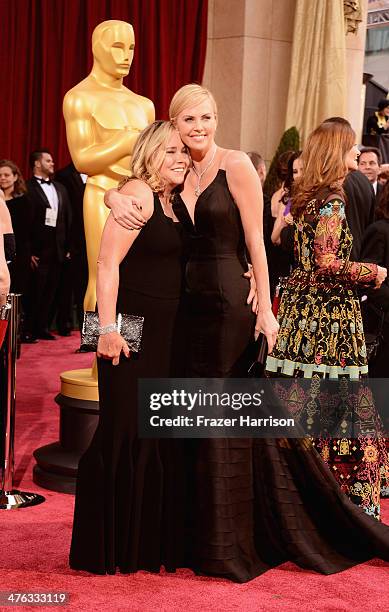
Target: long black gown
[129,500]
[256,503]
[21,216]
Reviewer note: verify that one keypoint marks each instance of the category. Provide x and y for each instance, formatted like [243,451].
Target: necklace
[201,174]
[166,203]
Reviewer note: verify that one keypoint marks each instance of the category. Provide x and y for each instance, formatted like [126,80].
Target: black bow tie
[44,181]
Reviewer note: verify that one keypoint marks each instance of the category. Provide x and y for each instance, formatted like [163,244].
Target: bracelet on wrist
[107,329]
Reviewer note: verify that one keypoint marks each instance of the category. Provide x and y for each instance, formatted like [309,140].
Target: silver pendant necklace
[166,203]
[201,174]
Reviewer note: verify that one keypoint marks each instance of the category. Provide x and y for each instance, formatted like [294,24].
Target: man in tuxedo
[50,235]
[360,208]
[369,163]
[77,271]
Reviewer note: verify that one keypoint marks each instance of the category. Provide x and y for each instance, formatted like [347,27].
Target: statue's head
[113,44]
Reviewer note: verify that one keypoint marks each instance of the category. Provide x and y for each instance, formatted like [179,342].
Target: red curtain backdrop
[45,49]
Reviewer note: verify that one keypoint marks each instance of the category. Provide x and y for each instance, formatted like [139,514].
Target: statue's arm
[150,110]
[89,157]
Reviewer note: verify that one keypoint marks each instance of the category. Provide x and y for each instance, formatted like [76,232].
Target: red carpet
[35,541]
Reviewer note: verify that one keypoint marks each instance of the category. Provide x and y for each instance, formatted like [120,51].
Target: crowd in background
[49,268]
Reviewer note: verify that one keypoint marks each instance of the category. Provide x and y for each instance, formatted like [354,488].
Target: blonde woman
[128,503]
[255,503]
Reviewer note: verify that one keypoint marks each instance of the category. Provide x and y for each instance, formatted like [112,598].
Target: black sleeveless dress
[218,320]
[128,511]
[256,502]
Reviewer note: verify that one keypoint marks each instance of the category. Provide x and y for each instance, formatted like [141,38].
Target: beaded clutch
[130,327]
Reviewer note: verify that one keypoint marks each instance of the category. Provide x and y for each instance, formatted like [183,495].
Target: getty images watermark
[259,408]
[221,401]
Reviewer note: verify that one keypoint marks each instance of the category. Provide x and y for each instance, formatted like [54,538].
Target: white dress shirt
[52,196]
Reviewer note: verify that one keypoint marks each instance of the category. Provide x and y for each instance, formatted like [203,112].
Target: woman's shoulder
[327,203]
[231,157]
[135,187]
[140,190]
[238,167]
[5,218]
[330,197]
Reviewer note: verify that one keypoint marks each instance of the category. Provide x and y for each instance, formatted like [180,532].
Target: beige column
[355,56]
[247,69]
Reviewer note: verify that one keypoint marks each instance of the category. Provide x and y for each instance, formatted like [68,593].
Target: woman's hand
[268,326]
[381,276]
[252,297]
[278,226]
[288,219]
[111,345]
[126,209]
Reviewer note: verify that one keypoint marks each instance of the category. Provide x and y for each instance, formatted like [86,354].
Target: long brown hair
[19,185]
[324,163]
[382,210]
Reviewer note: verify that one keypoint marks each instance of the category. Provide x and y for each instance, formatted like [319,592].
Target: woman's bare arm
[125,207]
[246,190]
[115,243]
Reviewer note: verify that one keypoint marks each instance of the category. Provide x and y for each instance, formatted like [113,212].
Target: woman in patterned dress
[321,332]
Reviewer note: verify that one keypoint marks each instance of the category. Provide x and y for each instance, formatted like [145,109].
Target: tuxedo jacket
[375,249]
[75,187]
[48,242]
[360,208]
[379,191]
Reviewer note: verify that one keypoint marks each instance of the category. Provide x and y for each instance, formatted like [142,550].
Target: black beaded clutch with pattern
[130,327]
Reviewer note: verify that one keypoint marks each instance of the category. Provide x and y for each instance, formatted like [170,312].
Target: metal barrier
[10,498]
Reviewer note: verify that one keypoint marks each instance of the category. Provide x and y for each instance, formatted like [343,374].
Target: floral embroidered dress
[321,336]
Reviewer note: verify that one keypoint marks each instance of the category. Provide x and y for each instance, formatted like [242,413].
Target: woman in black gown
[14,187]
[128,511]
[256,503]
[7,249]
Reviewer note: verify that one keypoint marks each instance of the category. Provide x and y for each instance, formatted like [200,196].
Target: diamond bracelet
[107,329]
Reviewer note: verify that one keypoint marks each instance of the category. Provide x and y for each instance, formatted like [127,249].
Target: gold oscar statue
[103,120]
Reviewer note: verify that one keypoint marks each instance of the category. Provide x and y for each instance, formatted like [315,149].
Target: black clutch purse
[130,327]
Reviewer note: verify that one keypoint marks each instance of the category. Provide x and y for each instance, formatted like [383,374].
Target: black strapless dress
[129,511]
[256,502]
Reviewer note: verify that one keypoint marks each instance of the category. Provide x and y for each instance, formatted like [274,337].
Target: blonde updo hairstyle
[188,96]
[149,154]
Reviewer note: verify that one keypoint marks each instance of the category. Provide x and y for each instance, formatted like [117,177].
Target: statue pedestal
[57,463]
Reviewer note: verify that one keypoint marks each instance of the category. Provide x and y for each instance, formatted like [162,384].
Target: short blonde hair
[149,154]
[190,95]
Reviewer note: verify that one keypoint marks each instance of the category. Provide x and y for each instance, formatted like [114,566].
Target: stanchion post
[11,498]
